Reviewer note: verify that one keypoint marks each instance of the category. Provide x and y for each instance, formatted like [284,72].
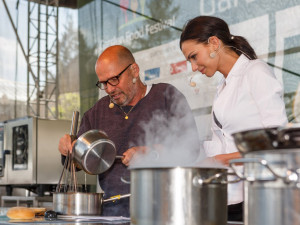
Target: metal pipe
[19,41]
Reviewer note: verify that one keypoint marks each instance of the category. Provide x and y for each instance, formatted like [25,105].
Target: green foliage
[67,103]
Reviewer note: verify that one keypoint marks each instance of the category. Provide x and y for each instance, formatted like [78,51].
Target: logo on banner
[152,73]
[178,67]
[128,9]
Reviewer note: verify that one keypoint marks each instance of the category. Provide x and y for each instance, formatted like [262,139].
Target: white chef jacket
[249,98]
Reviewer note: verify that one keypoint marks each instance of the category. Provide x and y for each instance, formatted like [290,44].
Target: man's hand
[127,156]
[65,144]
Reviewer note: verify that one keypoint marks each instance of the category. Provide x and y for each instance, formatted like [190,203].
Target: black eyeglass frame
[103,84]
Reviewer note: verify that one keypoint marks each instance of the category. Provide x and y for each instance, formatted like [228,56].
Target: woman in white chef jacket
[248,97]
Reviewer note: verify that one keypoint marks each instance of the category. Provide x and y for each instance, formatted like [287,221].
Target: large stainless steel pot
[272,187]
[81,203]
[178,196]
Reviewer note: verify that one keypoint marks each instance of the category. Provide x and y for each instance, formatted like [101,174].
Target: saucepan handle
[116,197]
[288,178]
[119,157]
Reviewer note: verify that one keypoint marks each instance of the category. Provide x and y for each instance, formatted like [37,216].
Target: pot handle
[289,178]
[238,179]
[289,135]
[198,181]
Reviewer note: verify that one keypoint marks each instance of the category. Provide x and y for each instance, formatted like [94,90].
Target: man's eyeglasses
[114,81]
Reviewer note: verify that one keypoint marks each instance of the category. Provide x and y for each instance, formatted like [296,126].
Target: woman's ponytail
[240,45]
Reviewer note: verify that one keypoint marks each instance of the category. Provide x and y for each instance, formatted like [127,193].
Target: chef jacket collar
[236,70]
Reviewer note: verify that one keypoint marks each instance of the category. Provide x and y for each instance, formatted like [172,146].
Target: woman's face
[198,55]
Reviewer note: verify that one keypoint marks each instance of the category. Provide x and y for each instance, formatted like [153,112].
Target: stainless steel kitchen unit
[29,154]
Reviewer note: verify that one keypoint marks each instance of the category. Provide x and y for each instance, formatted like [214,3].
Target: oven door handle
[4,153]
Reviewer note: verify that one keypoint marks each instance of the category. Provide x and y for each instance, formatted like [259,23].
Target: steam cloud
[171,141]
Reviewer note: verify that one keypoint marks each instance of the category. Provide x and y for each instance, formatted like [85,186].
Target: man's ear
[135,69]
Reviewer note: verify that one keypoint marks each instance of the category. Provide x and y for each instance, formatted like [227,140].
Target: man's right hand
[65,144]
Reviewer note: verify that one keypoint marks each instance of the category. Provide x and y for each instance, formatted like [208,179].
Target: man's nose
[109,88]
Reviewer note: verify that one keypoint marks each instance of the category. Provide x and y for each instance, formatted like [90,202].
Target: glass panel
[20,148]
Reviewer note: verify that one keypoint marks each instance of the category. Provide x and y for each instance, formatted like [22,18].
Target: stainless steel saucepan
[94,152]
[268,138]
[81,203]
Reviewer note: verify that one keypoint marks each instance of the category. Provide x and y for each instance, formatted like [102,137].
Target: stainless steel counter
[42,221]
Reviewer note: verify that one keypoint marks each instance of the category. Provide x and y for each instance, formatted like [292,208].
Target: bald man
[121,114]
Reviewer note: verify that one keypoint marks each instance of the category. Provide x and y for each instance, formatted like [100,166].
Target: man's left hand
[127,156]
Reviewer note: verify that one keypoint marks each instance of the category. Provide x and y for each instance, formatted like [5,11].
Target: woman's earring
[134,80]
[212,54]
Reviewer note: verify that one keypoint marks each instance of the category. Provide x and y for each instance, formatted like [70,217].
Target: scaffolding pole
[42,48]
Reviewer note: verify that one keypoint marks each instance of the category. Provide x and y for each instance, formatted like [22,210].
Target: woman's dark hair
[202,28]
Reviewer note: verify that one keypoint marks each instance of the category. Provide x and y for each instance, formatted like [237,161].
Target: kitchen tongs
[68,175]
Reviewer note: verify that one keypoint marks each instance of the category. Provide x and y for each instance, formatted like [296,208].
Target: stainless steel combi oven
[30,156]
